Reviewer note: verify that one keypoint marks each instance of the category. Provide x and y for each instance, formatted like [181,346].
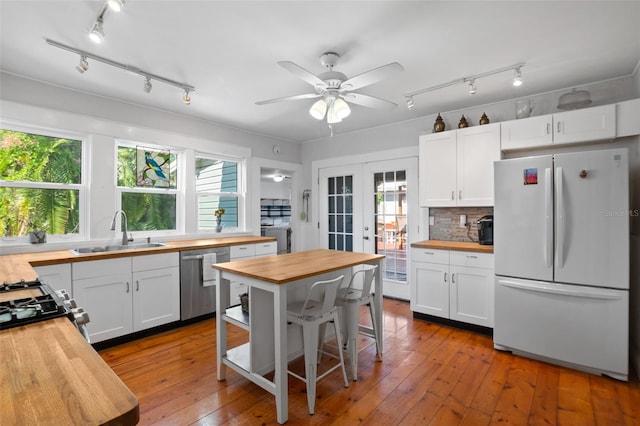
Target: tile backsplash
[447,223]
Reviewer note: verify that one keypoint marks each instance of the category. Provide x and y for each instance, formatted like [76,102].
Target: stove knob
[80,316]
[63,294]
[71,303]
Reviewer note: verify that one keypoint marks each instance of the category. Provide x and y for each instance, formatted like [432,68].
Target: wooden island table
[272,281]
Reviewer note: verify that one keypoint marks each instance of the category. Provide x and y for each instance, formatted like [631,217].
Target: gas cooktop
[27,302]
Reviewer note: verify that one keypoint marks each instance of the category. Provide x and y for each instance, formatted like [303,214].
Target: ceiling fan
[335,89]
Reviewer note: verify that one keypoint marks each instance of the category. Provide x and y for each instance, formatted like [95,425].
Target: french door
[372,208]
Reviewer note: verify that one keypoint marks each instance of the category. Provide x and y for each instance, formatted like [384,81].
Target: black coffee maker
[485,230]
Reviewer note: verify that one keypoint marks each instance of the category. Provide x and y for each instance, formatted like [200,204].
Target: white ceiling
[228,50]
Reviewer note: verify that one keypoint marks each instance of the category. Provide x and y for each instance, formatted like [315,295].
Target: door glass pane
[340,217]
[390,196]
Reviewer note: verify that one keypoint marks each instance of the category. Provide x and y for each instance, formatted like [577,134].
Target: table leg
[280,346]
[221,328]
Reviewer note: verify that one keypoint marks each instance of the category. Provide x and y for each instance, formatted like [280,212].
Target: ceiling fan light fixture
[116,5]
[318,109]
[332,118]
[278,178]
[83,65]
[97,33]
[517,77]
[341,109]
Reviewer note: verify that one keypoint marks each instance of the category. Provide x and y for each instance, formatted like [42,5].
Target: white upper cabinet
[583,125]
[456,167]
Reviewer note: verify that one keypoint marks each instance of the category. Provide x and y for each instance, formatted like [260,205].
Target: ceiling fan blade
[369,101]
[289,98]
[302,73]
[371,76]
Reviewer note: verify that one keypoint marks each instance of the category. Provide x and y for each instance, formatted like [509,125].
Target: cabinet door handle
[460,195]
[558,127]
[137,285]
[548,128]
[429,253]
[471,257]
[452,195]
[445,277]
[453,278]
[127,286]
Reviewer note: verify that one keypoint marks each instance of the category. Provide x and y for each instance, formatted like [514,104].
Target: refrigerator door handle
[560,218]
[548,218]
[541,288]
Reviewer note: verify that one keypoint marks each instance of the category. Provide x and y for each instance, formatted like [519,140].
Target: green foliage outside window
[36,165]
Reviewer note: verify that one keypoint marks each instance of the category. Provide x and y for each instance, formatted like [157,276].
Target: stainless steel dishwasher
[197,299]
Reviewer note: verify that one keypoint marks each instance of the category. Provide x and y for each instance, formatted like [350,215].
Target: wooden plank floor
[430,375]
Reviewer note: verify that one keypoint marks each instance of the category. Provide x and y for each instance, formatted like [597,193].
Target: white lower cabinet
[129,294]
[58,277]
[246,251]
[455,285]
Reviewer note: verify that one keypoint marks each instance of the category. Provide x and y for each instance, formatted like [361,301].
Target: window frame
[241,193]
[179,191]
[82,187]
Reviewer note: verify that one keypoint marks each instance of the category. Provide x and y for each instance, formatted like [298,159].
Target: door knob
[365,238]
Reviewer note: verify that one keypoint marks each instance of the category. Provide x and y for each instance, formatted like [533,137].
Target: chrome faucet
[125,237]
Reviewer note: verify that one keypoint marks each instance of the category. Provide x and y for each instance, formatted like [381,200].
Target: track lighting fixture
[97,33]
[472,87]
[115,5]
[410,103]
[147,85]
[84,66]
[517,77]
[517,81]
[278,178]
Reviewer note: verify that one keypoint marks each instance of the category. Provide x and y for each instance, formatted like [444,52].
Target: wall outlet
[463,220]
[432,220]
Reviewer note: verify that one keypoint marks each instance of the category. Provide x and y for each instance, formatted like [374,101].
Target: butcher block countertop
[50,375]
[453,245]
[16,267]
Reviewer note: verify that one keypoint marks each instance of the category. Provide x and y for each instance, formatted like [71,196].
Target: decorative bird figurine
[151,163]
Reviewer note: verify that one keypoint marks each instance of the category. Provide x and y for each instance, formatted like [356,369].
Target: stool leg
[376,332]
[321,336]
[310,338]
[352,336]
[336,327]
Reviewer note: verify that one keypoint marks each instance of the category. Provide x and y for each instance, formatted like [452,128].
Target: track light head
[97,33]
[472,87]
[147,85]
[186,97]
[83,65]
[410,103]
[116,5]
[517,77]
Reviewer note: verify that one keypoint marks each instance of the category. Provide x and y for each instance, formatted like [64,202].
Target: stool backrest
[326,291]
[367,274]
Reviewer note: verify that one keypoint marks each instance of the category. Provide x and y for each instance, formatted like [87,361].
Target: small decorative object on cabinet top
[463,123]
[484,119]
[438,126]
[524,108]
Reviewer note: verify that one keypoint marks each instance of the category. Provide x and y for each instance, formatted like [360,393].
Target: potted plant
[218,213]
[38,233]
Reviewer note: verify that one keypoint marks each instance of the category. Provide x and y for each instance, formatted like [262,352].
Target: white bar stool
[311,315]
[350,299]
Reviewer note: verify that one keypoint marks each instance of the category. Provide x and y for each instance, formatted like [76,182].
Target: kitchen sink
[118,247]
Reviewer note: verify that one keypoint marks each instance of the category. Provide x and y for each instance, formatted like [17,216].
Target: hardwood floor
[430,374]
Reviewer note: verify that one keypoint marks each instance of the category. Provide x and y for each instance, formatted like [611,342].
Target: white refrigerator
[561,246]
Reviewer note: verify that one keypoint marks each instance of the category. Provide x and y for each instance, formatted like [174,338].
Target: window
[40,184]
[147,184]
[218,186]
